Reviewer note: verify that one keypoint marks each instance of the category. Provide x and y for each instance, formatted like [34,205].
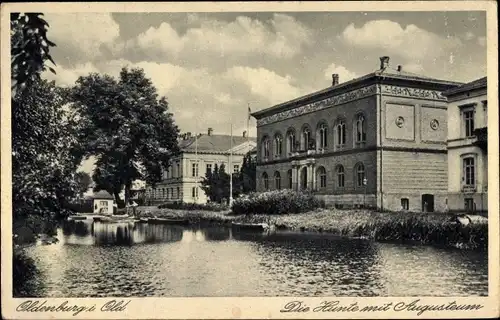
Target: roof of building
[473,85]
[386,73]
[101,195]
[213,143]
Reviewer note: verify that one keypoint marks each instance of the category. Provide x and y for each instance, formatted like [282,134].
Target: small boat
[250,226]
[168,221]
[142,220]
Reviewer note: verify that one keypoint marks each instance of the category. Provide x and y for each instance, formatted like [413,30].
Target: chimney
[400,68]
[384,62]
[335,79]
[210,130]
[244,134]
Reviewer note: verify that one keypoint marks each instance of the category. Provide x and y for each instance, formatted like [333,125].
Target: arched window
[321,177]
[340,176]
[278,145]
[306,138]
[277,180]
[290,141]
[322,136]
[265,179]
[266,152]
[290,181]
[340,132]
[360,175]
[360,130]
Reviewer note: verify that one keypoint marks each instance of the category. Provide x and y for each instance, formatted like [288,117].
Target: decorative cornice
[412,93]
[390,90]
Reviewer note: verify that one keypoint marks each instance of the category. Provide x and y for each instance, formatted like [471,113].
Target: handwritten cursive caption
[414,306]
[73,309]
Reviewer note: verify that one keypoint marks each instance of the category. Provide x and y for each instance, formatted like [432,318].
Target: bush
[276,203]
[24,273]
[211,206]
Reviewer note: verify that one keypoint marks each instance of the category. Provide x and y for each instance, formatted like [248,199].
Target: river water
[103,260]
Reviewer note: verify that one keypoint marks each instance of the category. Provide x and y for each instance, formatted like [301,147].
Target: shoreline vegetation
[301,211]
[424,228]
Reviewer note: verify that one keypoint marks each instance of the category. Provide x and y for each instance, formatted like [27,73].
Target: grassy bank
[426,228]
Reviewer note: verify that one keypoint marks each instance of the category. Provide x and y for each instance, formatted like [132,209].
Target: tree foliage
[30,48]
[43,161]
[247,174]
[126,126]
[83,181]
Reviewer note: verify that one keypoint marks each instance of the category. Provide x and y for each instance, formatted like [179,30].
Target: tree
[83,181]
[30,48]
[247,174]
[43,161]
[216,184]
[127,127]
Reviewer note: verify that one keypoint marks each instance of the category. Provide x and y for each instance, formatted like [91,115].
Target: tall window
[469,171]
[265,148]
[178,193]
[360,130]
[341,133]
[291,141]
[277,180]
[323,134]
[360,175]
[290,181]
[168,193]
[306,138]
[265,179]
[195,192]
[163,193]
[278,145]
[321,177]
[469,122]
[178,169]
[209,167]
[405,204]
[194,169]
[340,176]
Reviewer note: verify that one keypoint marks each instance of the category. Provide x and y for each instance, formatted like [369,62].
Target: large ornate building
[377,141]
[467,147]
[199,154]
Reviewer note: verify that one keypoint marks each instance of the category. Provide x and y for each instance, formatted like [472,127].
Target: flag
[249,112]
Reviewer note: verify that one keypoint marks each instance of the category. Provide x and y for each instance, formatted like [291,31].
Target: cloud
[344,74]
[81,35]
[67,77]
[265,83]
[410,42]
[281,37]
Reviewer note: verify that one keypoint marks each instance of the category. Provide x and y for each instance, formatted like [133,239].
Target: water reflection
[119,233]
[127,259]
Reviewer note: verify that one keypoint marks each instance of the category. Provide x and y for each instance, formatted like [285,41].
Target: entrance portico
[303,174]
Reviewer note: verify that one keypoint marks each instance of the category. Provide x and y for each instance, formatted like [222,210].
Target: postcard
[278,160]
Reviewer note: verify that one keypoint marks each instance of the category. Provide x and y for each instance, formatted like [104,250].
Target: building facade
[375,141]
[467,147]
[199,154]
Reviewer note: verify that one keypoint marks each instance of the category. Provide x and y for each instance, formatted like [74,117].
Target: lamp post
[364,195]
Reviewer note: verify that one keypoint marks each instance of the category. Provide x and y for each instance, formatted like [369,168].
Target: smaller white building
[467,147]
[103,202]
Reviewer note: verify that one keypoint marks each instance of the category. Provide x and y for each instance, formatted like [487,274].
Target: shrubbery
[211,206]
[276,203]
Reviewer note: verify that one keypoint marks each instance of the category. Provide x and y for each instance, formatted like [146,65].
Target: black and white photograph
[267,153]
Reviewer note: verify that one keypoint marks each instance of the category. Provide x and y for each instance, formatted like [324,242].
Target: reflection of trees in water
[146,233]
[113,233]
[79,228]
[337,265]
[216,233]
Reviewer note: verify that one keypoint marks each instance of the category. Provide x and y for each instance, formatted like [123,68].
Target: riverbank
[425,228]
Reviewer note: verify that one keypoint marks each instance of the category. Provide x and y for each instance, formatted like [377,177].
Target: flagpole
[231,169]
[248,129]
[197,167]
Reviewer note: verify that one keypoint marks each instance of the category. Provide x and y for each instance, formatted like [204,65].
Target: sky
[211,66]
